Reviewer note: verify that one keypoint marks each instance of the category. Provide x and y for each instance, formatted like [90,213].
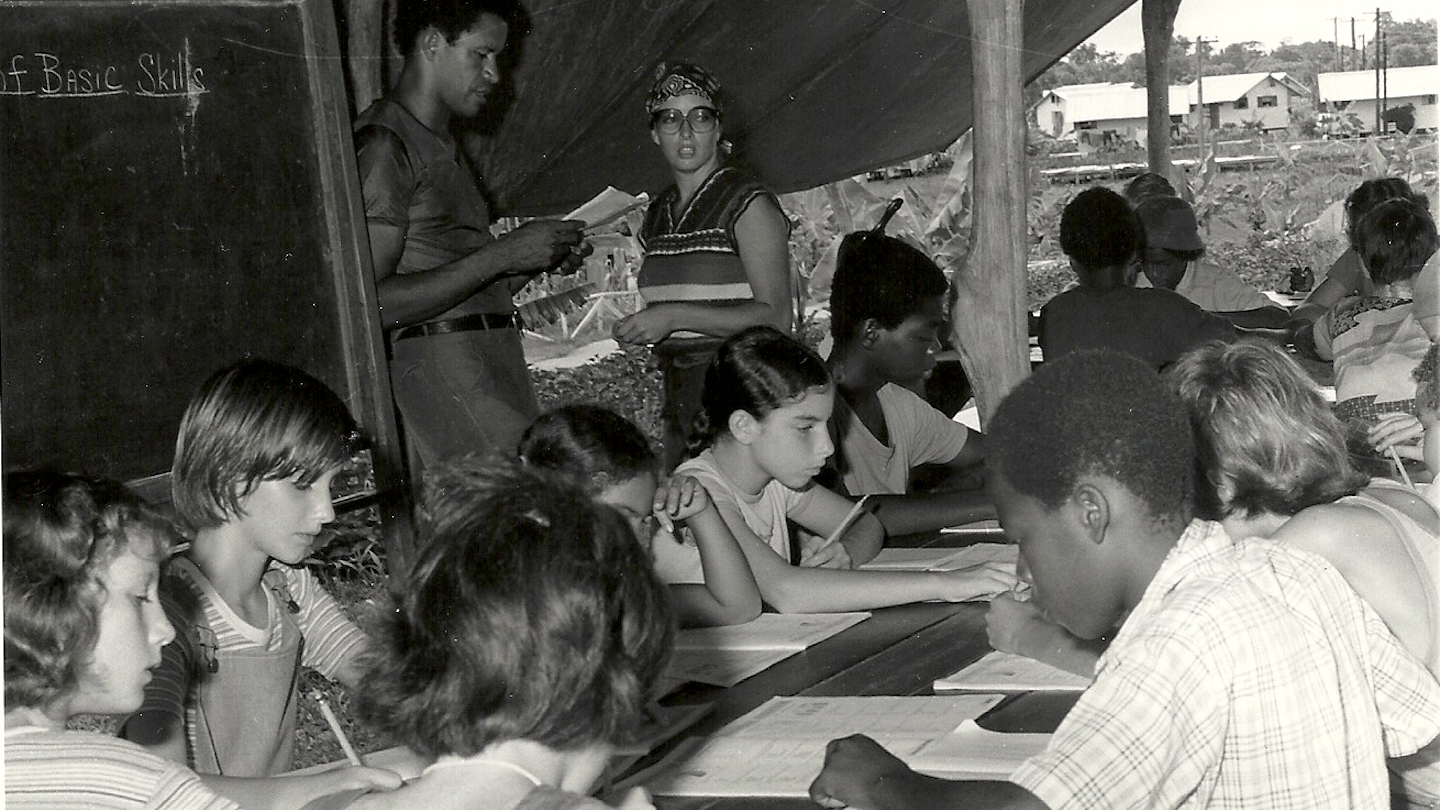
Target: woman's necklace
[455,762]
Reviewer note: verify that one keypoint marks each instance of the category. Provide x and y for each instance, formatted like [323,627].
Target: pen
[334,722]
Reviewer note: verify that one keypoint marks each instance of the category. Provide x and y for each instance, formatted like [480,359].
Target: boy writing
[1244,674]
[1100,235]
[887,308]
[258,446]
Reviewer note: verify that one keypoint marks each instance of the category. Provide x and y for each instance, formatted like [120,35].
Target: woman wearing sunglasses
[717,255]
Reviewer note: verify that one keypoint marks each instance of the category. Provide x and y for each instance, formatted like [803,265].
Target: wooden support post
[365,50]
[990,317]
[1157,20]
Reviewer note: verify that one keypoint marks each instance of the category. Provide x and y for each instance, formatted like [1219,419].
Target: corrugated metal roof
[1107,102]
[1358,85]
[1231,86]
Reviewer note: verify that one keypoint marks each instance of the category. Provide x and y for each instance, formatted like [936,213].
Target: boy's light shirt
[1254,654]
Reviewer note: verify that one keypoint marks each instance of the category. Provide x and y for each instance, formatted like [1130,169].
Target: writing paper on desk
[778,748]
[971,752]
[606,207]
[1005,672]
[942,559]
[769,631]
[725,656]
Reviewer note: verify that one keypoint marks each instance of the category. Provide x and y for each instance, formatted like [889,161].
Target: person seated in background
[1245,673]
[1145,185]
[1376,341]
[886,314]
[1347,275]
[1174,259]
[1101,236]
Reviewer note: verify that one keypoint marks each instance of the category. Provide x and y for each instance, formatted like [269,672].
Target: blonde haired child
[258,446]
[760,439]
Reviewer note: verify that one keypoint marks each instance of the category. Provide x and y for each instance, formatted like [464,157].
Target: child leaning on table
[759,440]
[887,307]
[523,645]
[258,446]
[710,581]
[83,628]
[1244,674]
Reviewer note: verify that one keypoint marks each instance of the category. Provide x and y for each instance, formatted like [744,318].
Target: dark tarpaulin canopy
[818,91]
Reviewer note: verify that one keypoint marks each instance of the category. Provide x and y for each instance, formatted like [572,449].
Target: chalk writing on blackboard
[42,74]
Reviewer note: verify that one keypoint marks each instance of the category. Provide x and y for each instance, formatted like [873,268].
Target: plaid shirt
[1249,675]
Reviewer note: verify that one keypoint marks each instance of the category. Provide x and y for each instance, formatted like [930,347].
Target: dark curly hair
[1096,413]
[1395,239]
[62,531]
[1371,193]
[452,18]
[880,277]
[530,613]
[1098,229]
[594,445]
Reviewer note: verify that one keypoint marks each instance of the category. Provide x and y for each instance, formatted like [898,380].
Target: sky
[1268,22]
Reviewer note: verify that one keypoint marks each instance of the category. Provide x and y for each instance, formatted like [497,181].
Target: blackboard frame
[363,377]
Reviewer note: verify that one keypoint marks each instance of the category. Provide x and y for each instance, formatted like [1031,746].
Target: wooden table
[897,651]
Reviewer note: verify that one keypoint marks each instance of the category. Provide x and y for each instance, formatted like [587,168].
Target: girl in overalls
[258,447]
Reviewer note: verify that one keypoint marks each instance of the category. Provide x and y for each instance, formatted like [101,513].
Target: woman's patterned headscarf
[681,79]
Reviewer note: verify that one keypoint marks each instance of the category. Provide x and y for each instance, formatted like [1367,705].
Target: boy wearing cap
[887,307]
[1100,235]
[1173,260]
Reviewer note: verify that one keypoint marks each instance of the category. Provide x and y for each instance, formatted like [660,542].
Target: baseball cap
[1169,223]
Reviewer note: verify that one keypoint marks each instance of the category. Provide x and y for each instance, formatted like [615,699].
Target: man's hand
[545,244]
[854,767]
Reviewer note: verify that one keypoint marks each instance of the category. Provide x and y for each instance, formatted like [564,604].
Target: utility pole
[1378,130]
[1335,29]
[1204,122]
[1352,42]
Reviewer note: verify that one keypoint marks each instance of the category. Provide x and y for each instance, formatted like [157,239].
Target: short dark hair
[62,531]
[757,370]
[1261,422]
[1098,229]
[1096,413]
[530,613]
[1146,185]
[880,277]
[594,445]
[252,421]
[1394,240]
[452,18]
[1371,193]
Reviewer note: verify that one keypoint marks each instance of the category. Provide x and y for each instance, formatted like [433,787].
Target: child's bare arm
[931,511]
[285,792]
[729,594]
[824,512]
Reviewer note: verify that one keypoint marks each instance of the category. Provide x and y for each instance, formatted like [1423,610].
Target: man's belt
[465,323]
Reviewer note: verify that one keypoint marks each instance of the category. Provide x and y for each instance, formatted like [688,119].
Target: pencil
[844,524]
[1400,465]
[339,732]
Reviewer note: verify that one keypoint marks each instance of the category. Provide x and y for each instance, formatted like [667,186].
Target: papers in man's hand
[971,752]
[724,656]
[779,748]
[943,559]
[1004,672]
[606,207]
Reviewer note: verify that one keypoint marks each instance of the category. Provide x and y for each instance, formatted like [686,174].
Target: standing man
[445,284]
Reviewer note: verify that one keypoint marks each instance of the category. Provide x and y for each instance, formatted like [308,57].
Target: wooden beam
[990,317]
[364,50]
[1157,22]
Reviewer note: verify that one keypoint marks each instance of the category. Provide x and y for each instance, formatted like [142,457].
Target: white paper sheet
[971,752]
[1005,672]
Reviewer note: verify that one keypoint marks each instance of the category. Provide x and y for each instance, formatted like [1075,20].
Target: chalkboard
[177,190]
